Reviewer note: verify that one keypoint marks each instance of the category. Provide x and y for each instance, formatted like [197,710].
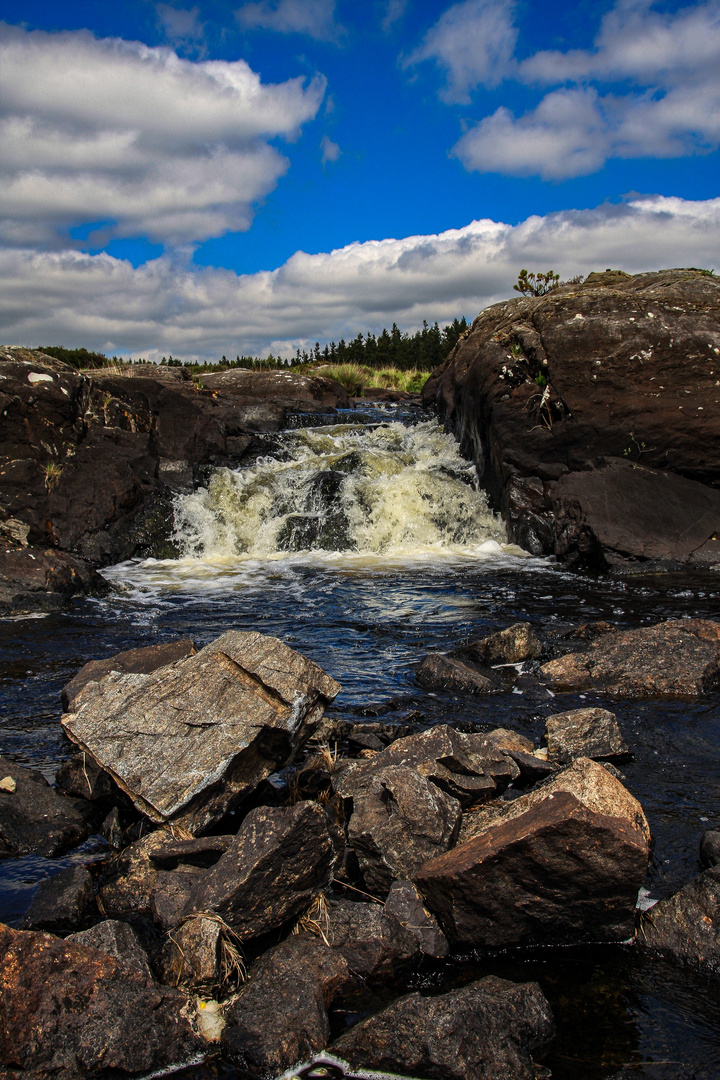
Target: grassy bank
[356,377]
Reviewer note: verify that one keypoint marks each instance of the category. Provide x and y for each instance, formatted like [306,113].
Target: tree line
[424,350]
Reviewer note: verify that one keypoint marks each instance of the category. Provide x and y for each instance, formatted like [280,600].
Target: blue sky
[221,177]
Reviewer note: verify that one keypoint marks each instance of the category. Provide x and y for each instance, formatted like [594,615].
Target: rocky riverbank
[269,866]
[592,414]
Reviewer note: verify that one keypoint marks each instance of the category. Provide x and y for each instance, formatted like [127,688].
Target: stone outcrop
[679,658]
[74,1012]
[592,415]
[189,740]
[487,1029]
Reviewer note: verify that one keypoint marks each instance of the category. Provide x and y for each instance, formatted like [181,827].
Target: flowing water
[365,547]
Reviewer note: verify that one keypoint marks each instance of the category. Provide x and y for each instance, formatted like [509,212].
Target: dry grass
[53,472]
[233,971]
[316,919]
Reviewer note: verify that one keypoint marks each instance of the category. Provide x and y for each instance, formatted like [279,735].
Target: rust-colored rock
[679,658]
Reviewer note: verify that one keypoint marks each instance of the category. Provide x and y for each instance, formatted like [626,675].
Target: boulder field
[90,461]
[592,416]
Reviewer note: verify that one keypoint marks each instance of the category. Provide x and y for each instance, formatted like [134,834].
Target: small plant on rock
[531,284]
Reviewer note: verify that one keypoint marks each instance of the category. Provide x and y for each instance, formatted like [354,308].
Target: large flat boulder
[591,413]
[675,659]
[72,1012]
[187,741]
[485,1030]
[141,661]
[557,874]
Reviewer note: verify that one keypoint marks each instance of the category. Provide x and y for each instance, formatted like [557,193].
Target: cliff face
[593,415]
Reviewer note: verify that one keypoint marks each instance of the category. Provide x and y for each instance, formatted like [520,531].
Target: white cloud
[313,17]
[671,107]
[473,42]
[162,307]
[114,131]
[182,26]
[330,150]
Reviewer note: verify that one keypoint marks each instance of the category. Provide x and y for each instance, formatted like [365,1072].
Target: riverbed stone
[117,939]
[82,777]
[591,733]
[405,904]
[63,903]
[128,880]
[279,861]
[73,1012]
[513,645]
[557,874]
[373,941]
[280,1016]
[710,848]
[192,954]
[679,658]
[438,671]
[141,661]
[188,741]
[487,1029]
[399,820]
[591,783]
[36,820]
[686,926]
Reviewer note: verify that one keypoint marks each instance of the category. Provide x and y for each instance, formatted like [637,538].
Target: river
[364,547]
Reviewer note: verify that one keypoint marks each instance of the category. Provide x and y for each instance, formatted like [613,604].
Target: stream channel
[364,546]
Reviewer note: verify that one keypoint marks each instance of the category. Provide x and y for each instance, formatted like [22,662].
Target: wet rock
[679,658]
[40,579]
[710,848]
[686,926]
[511,646]
[487,1029]
[279,861]
[280,1015]
[141,661]
[192,956]
[373,941]
[82,777]
[35,820]
[405,904]
[188,741]
[399,820]
[63,903]
[439,672]
[469,767]
[559,873]
[590,733]
[592,784]
[74,1012]
[615,457]
[119,940]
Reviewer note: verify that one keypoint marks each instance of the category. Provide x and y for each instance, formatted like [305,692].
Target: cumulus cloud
[313,17]
[330,150]
[147,143]
[473,42]
[668,107]
[192,312]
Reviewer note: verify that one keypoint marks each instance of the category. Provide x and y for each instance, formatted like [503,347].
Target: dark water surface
[618,1014]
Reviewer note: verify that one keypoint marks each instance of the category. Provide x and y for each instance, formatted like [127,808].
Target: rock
[532,767]
[279,861]
[686,926]
[487,1029]
[405,904]
[63,903]
[590,733]
[710,848]
[119,940]
[509,741]
[679,658]
[591,783]
[171,898]
[82,777]
[74,1012]
[39,579]
[375,944]
[280,1016]
[188,741]
[111,828]
[141,661]
[439,672]
[203,851]
[399,820]
[192,956]
[34,820]
[557,874]
[128,881]
[591,416]
[301,393]
[511,646]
